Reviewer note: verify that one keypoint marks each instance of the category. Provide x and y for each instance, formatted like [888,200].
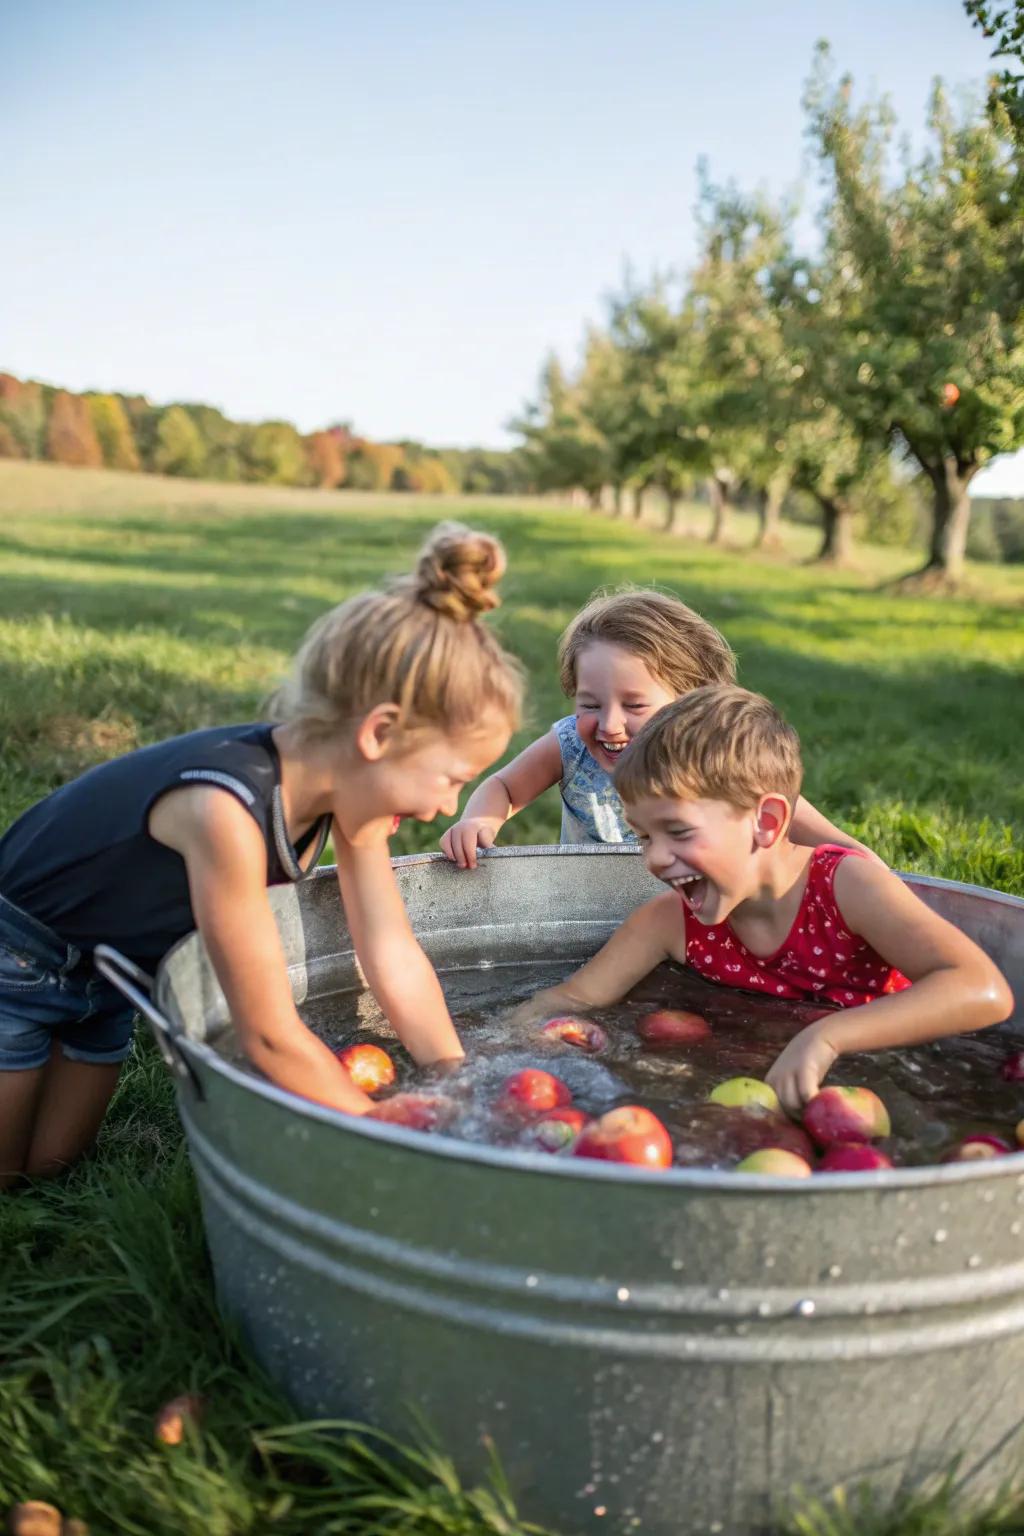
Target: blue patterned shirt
[591,810]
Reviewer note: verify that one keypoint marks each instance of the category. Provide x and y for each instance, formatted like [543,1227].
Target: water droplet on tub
[622,1293]
[657,1437]
[531,1280]
[974,1261]
[677,1264]
[722,1293]
[600,1509]
[939,1235]
[835,1270]
[805,1308]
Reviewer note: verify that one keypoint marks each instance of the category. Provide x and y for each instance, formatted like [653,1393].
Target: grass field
[133,608]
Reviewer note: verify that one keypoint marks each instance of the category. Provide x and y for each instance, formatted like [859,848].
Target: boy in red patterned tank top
[709,786]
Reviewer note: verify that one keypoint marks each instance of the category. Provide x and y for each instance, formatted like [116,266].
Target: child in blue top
[397,699]
[623,657]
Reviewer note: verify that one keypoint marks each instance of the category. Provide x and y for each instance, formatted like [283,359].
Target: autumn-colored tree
[372,466]
[22,416]
[273,454]
[114,432]
[70,436]
[179,447]
[325,458]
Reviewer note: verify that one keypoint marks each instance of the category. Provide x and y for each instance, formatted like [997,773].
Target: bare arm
[226,861]
[956,987]
[653,933]
[399,974]
[500,796]
[810,828]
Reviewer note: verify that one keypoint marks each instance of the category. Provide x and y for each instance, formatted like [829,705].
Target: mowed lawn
[132,608]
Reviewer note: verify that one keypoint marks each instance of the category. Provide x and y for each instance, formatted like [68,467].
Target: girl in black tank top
[396,700]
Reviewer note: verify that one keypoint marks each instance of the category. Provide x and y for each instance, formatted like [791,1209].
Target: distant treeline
[40,421]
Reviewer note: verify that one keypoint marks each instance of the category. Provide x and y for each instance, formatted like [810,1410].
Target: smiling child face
[615,695]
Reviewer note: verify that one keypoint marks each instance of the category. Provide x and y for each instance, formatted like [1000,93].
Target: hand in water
[798,1073]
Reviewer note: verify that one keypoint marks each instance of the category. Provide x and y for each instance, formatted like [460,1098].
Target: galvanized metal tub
[662,1352]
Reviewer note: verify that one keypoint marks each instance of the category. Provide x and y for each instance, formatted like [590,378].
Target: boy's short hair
[676,645]
[716,743]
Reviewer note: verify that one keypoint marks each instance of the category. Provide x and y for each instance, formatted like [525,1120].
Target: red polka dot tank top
[820,958]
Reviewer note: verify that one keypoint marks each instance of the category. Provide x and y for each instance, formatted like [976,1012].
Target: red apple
[556,1130]
[1013,1067]
[852,1157]
[532,1089]
[976,1148]
[775,1160]
[670,1026]
[629,1134]
[417,1111]
[846,1114]
[743,1092]
[370,1068]
[579,1032]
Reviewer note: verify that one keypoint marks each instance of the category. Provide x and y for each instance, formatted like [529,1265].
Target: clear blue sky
[388,212]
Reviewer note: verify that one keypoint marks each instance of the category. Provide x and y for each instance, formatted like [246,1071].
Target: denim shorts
[50,992]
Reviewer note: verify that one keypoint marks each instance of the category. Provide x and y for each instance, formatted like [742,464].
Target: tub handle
[137,986]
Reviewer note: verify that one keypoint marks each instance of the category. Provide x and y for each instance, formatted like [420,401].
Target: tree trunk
[951,517]
[718,495]
[595,498]
[638,500]
[837,531]
[673,501]
[616,500]
[769,533]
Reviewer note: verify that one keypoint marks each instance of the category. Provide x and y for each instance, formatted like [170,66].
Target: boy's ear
[377,732]
[771,819]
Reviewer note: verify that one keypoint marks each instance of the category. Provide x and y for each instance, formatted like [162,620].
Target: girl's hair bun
[457,571]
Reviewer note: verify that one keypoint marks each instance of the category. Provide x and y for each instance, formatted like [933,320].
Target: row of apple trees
[774,370]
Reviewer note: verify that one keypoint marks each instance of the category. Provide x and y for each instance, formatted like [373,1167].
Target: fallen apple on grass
[533,1090]
[669,1027]
[582,1033]
[776,1161]
[556,1130]
[176,1416]
[975,1149]
[846,1114]
[416,1111]
[629,1134]
[744,1093]
[853,1157]
[370,1068]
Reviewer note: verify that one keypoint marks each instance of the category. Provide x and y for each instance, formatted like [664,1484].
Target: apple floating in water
[974,1149]
[671,1026]
[533,1090]
[582,1033]
[1013,1067]
[853,1157]
[744,1093]
[416,1111]
[630,1134]
[556,1130]
[370,1068]
[777,1161]
[846,1114]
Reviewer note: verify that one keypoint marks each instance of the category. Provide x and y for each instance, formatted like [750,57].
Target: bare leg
[19,1098]
[73,1101]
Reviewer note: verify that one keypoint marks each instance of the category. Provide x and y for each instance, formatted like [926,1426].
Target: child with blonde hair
[709,786]
[397,699]
[624,656]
